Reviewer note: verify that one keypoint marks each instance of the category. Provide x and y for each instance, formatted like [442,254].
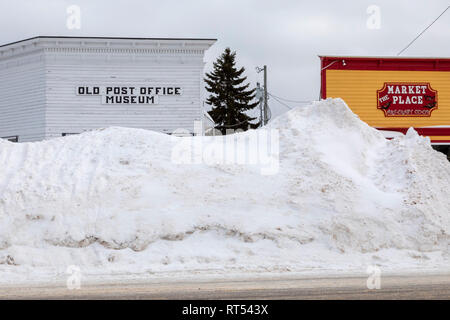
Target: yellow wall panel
[359,88]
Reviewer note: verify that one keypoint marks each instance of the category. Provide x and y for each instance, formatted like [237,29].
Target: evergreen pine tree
[230,97]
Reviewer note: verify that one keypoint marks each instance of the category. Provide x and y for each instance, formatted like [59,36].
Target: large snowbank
[118,200]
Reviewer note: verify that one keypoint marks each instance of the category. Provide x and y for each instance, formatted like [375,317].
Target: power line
[423,31]
[279,101]
[232,125]
[295,101]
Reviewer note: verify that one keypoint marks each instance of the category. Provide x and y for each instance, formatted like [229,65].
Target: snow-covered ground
[338,197]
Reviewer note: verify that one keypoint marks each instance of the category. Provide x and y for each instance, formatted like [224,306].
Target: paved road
[392,287]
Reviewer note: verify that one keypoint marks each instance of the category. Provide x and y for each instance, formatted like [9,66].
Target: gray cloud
[285,35]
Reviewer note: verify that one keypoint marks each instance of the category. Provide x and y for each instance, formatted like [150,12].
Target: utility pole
[264,114]
[265,95]
[259,97]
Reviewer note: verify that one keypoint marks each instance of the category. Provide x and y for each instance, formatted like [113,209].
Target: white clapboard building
[56,86]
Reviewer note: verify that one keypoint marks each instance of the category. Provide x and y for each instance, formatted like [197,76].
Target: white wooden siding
[67,112]
[39,77]
[22,97]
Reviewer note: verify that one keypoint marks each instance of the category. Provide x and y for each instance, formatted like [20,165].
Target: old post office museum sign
[128,94]
[407,99]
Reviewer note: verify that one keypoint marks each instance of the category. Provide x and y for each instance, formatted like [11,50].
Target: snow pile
[342,197]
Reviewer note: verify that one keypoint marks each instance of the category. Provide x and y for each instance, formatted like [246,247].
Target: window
[12,138]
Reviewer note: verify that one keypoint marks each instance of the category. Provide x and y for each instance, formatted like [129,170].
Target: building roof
[111,45]
[384,63]
[105,38]
[380,57]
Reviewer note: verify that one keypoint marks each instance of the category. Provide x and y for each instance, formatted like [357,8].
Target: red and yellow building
[393,94]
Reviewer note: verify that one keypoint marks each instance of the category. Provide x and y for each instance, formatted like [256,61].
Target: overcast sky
[287,35]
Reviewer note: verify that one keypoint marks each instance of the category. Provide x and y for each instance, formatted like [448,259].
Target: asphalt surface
[391,287]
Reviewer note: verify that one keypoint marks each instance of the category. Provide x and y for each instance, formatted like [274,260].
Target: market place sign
[128,94]
[407,99]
